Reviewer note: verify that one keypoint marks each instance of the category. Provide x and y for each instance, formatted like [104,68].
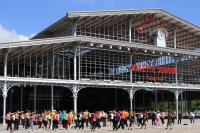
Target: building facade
[128,49]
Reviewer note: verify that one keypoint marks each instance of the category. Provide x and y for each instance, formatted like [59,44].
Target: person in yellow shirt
[76,120]
[67,117]
[49,119]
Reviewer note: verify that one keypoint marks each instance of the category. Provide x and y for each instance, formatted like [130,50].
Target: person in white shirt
[158,115]
[192,116]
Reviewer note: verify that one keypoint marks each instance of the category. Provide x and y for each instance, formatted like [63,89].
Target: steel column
[36,66]
[63,64]
[5,64]
[5,86]
[176,97]
[156,100]
[21,99]
[75,96]
[75,72]
[175,38]
[35,100]
[52,105]
[116,99]
[131,99]
[176,65]
[18,64]
[131,74]
[52,76]
[74,28]
[4,102]
[182,103]
[134,102]
[131,92]
[79,64]
[130,31]
[10,108]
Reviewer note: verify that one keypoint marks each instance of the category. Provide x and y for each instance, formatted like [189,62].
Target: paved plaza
[185,127]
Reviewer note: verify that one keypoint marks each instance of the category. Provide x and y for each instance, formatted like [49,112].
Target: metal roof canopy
[82,15]
[60,40]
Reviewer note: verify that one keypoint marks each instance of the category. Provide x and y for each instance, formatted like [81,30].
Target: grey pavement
[185,127]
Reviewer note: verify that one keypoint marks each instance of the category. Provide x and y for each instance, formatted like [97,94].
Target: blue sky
[28,17]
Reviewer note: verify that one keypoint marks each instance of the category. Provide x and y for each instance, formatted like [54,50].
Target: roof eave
[50,27]
[111,13]
[180,19]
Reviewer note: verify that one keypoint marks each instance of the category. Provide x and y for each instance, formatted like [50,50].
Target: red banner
[152,69]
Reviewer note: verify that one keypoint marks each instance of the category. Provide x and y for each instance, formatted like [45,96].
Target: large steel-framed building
[128,49]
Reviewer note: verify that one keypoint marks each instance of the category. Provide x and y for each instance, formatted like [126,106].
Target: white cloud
[11,35]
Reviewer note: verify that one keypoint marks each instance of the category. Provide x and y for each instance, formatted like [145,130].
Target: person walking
[179,118]
[86,117]
[40,119]
[173,118]
[111,117]
[22,117]
[16,121]
[140,118]
[69,120]
[8,121]
[64,119]
[94,121]
[153,118]
[81,121]
[55,121]
[45,120]
[104,117]
[144,121]
[122,120]
[31,121]
[76,122]
[169,121]
[162,118]
[99,116]
[131,120]
[49,117]
[27,119]
[192,116]
[116,120]
[158,115]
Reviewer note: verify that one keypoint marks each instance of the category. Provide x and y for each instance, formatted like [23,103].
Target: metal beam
[161,86]
[99,41]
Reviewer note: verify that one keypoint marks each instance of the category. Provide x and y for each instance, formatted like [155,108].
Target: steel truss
[100,52]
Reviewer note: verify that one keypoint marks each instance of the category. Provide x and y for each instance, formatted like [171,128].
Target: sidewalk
[185,127]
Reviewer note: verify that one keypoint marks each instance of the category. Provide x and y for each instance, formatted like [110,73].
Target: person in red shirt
[55,121]
[69,121]
[40,119]
[32,119]
[94,121]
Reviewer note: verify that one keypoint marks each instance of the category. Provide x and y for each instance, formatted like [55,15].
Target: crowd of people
[118,119]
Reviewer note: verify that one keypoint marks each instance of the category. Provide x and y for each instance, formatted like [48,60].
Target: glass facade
[103,63]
